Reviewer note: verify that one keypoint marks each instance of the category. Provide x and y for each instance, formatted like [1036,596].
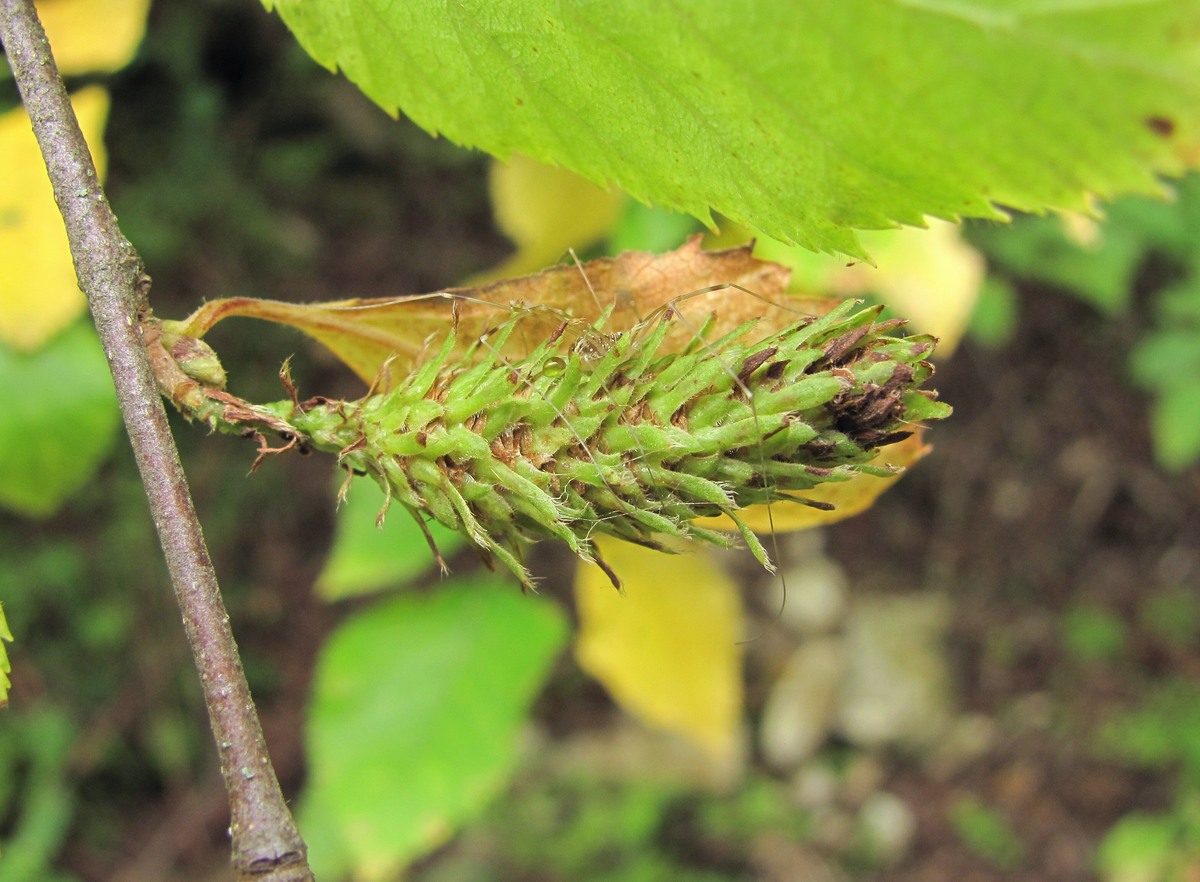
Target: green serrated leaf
[415,714]
[805,120]
[60,420]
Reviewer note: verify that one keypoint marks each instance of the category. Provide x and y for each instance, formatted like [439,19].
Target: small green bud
[195,357]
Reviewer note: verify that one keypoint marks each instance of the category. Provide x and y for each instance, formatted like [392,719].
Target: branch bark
[266,844]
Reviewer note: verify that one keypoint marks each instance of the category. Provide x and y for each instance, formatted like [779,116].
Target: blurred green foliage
[609,830]
[1092,634]
[644,228]
[377,546]
[1162,734]
[65,383]
[1153,848]
[1172,615]
[84,590]
[36,792]
[986,832]
[1140,266]
[994,320]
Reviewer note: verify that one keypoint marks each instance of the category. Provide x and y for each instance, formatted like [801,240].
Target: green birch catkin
[626,438]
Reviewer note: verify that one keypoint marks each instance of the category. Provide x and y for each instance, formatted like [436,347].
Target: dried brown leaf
[364,333]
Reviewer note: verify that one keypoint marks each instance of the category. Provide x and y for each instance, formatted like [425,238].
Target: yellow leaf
[5,668]
[667,649]
[93,35]
[546,211]
[848,498]
[39,295]
[930,276]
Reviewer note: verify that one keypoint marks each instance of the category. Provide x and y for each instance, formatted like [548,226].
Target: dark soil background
[1041,496]
[239,168]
